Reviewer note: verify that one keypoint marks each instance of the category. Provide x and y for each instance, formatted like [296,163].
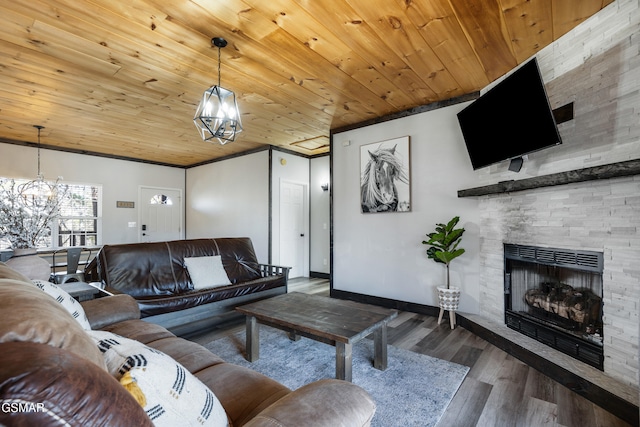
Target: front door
[160,214]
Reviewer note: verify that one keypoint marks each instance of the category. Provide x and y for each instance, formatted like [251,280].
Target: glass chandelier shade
[217,115]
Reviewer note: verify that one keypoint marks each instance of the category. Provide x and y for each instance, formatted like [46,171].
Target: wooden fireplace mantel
[612,170]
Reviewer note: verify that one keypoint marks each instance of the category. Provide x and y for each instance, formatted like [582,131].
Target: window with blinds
[79,222]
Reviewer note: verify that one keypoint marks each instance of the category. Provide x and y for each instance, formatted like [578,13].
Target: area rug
[414,390]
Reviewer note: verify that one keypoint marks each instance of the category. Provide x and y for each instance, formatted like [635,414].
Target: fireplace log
[580,306]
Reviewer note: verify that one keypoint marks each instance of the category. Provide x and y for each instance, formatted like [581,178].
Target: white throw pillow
[173,396]
[67,301]
[207,272]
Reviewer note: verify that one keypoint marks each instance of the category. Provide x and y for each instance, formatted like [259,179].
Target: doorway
[160,214]
[293,228]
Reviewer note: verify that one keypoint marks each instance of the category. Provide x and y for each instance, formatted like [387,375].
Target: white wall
[230,198]
[120,180]
[320,215]
[382,254]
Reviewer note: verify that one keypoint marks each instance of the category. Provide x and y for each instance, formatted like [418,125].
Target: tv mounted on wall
[510,120]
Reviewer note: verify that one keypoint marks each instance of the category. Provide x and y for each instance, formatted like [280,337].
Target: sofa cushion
[172,395]
[189,354]
[105,311]
[28,314]
[150,306]
[239,258]
[142,269]
[139,330]
[206,272]
[65,300]
[243,392]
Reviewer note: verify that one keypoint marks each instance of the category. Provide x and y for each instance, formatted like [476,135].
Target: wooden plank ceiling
[123,77]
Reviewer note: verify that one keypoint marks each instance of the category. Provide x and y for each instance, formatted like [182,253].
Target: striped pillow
[65,300]
[168,392]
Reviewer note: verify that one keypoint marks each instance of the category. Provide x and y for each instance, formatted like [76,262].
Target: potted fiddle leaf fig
[443,248]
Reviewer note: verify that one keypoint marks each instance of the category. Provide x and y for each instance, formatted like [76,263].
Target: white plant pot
[449,299]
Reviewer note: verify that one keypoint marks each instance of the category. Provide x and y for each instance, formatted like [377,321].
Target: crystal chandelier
[217,115]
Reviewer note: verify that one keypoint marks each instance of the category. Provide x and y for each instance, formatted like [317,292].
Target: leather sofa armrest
[106,311]
[41,385]
[325,403]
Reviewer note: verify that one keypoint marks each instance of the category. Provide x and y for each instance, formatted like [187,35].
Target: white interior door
[292,228]
[160,214]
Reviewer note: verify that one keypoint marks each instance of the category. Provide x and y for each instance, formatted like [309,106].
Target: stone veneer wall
[601,216]
[596,66]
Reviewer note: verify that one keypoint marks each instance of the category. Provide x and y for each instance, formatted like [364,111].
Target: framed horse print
[385,176]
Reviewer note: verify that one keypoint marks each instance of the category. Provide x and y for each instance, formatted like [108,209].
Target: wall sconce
[325,186]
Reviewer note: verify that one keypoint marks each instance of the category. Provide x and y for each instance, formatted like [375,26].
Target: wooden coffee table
[332,321]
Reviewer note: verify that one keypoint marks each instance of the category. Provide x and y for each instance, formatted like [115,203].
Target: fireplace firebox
[555,296]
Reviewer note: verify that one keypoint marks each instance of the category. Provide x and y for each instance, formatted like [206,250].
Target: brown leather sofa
[156,276]
[51,373]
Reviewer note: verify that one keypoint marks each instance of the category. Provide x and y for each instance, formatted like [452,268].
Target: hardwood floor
[499,389]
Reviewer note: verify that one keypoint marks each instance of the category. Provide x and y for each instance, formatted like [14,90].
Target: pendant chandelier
[28,208]
[38,194]
[217,116]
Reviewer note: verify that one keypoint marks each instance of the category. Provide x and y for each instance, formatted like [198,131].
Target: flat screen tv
[510,120]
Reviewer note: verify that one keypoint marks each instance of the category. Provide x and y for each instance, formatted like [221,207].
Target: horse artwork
[384,183]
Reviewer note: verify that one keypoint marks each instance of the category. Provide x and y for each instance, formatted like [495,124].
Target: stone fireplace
[555,296]
[586,216]
[600,216]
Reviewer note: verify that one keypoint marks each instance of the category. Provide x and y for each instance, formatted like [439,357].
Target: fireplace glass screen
[566,298]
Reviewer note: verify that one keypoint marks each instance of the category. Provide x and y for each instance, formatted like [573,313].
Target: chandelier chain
[39,127]
[38,153]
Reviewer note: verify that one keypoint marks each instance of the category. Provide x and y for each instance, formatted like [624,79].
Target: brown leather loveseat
[156,275]
[53,374]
